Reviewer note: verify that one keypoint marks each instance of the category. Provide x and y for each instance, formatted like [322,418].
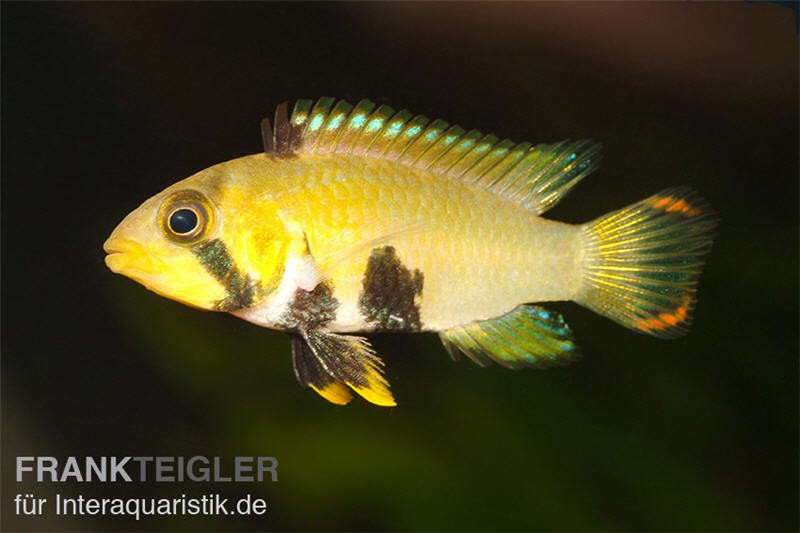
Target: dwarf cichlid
[360,219]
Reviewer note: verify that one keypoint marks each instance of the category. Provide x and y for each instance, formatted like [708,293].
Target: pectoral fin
[332,364]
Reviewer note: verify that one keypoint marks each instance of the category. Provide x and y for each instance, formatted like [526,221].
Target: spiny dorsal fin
[284,140]
[527,336]
[536,177]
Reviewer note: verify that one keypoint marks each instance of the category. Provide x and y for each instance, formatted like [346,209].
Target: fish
[358,219]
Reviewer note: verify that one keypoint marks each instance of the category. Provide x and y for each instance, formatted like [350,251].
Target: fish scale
[506,252]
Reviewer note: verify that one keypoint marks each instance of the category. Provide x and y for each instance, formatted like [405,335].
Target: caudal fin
[642,263]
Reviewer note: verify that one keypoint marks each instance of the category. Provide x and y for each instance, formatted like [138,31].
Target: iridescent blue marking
[374,124]
[394,128]
[316,122]
[335,122]
[299,118]
[357,122]
[413,130]
[431,135]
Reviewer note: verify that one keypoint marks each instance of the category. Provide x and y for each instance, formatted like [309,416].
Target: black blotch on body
[309,310]
[240,289]
[388,299]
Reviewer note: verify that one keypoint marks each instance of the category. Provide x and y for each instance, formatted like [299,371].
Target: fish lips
[131,259]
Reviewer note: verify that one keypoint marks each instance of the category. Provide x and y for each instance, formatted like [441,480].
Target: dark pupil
[183,221]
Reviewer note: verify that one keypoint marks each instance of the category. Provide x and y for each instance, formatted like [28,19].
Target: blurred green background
[104,105]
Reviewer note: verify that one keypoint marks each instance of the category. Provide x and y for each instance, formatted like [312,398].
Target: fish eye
[185,217]
[183,221]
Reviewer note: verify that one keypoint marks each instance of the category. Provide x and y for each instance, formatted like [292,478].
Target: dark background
[104,105]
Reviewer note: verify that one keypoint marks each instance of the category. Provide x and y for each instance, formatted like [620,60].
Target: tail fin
[642,263]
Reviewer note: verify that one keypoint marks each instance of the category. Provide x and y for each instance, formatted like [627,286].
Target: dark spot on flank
[241,291]
[310,309]
[389,299]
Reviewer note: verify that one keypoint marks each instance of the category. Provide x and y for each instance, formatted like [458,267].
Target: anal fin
[527,336]
[333,364]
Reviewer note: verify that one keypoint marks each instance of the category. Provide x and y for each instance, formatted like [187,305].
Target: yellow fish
[361,219]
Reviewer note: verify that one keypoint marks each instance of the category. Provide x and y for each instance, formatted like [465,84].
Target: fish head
[203,242]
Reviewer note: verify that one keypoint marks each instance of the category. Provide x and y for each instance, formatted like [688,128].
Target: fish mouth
[130,258]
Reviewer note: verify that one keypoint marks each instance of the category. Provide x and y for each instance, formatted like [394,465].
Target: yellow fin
[536,177]
[311,373]
[334,392]
[643,262]
[330,363]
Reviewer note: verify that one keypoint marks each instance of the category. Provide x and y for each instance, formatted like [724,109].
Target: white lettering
[22,468]
[71,470]
[118,468]
[93,470]
[268,464]
[244,466]
[46,464]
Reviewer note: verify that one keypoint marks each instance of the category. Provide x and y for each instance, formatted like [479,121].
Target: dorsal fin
[536,177]
[284,140]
